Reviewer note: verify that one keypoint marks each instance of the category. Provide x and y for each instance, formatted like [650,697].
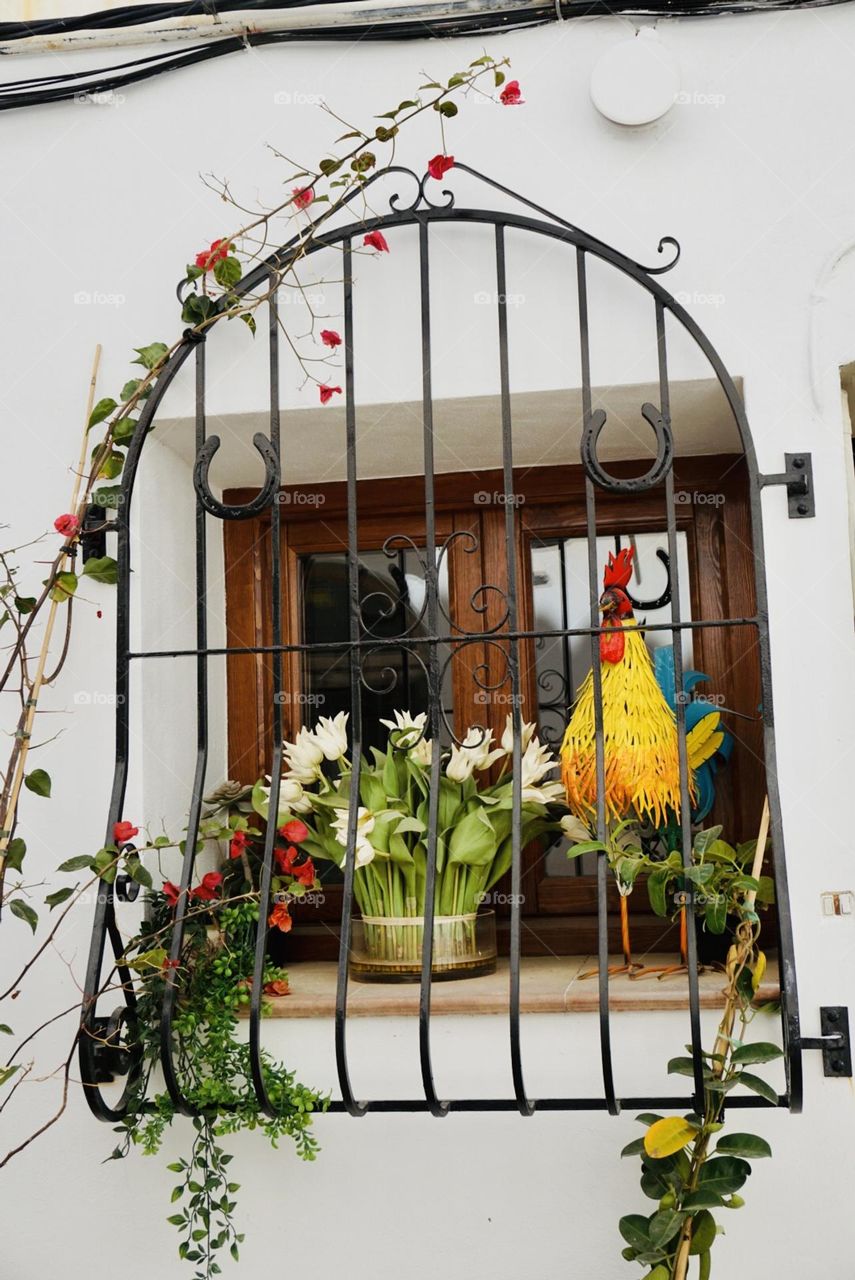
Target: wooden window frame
[559,913]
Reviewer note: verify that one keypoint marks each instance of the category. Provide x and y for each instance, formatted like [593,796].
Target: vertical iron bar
[437,1107]
[685,780]
[525,1106]
[255,1047]
[172,979]
[566,658]
[355,1108]
[594,589]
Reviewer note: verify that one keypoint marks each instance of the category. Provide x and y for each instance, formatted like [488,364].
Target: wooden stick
[36,685]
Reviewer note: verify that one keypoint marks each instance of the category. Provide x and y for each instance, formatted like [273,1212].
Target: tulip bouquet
[473,829]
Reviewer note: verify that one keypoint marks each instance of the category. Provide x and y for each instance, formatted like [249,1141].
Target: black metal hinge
[93,537]
[834,1042]
[798,478]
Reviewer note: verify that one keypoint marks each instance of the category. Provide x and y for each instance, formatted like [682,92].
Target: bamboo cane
[38,679]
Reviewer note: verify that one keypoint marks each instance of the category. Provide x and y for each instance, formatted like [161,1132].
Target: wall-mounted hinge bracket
[110,1055]
[93,536]
[834,1042]
[798,479]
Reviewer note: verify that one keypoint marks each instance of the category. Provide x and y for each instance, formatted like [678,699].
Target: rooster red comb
[618,571]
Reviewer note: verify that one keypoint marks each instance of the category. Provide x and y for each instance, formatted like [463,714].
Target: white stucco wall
[760,189]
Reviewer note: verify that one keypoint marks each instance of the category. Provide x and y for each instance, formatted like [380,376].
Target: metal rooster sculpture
[639,724]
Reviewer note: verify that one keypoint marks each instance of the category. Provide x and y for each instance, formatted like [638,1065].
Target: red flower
[511,95]
[68,525]
[167,963]
[303,196]
[278,987]
[439,166]
[330,338]
[171,893]
[303,872]
[206,890]
[376,240]
[295,831]
[238,843]
[280,917]
[208,257]
[327,393]
[124,831]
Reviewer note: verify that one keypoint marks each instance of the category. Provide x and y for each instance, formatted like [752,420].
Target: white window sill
[548,985]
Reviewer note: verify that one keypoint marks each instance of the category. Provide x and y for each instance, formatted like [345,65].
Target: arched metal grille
[438,630]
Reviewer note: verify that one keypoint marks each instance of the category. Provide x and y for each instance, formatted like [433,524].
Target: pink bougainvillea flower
[303,196]
[295,831]
[330,338]
[511,95]
[68,525]
[209,257]
[327,393]
[376,240]
[167,963]
[124,831]
[277,987]
[208,887]
[280,917]
[171,892]
[439,166]
[238,843]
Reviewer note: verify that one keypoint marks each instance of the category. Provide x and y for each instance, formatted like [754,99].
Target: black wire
[58,88]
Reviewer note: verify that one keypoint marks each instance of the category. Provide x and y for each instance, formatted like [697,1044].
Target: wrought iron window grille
[101,1045]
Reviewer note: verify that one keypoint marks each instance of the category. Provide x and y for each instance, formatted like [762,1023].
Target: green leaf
[635,1148]
[702,1199]
[6,1073]
[704,839]
[15,853]
[723,1174]
[743,1144]
[177,1193]
[447,109]
[660,1272]
[227,272]
[329,166]
[756,1085]
[38,782]
[668,1136]
[634,1229]
[123,431]
[681,1067]
[64,586]
[656,891]
[76,863]
[25,604]
[249,320]
[704,1232]
[131,388]
[140,873]
[102,569]
[177,1219]
[24,912]
[102,410]
[111,466]
[498,78]
[5,1030]
[151,356]
[715,914]
[761,1052]
[197,308]
[664,1225]
[586,846]
[648,1118]
[58,896]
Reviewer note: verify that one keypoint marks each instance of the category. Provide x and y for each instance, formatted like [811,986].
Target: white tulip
[304,757]
[292,797]
[364,825]
[474,753]
[406,728]
[422,752]
[508,735]
[331,735]
[574,829]
[537,761]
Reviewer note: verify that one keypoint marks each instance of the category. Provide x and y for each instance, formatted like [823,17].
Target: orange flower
[278,987]
[280,917]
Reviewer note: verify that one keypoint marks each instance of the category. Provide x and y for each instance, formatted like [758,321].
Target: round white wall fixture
[636,81]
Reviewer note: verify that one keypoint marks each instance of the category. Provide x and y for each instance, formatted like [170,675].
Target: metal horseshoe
[244,511]
[636,484]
